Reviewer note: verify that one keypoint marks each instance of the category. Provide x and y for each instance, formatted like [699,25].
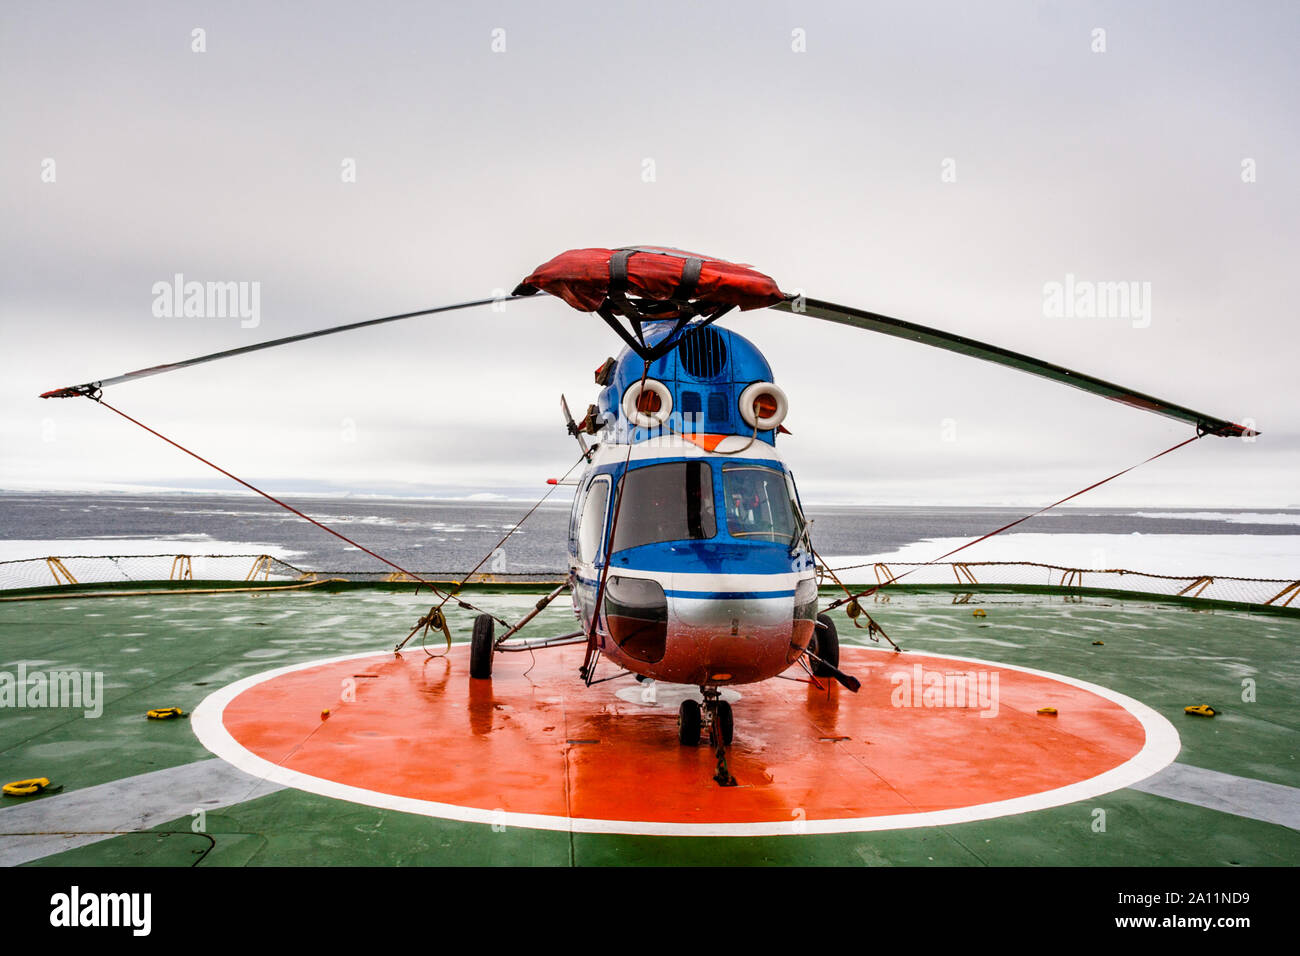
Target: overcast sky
[942,163]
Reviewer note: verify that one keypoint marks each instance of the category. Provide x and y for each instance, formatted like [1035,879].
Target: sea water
[451,537]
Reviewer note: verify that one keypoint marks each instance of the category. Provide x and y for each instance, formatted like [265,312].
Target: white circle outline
[1159,751]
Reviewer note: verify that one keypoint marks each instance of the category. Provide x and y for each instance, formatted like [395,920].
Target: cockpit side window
[800,519]
[591,527]
[758,504]
[575,511]
[672,501]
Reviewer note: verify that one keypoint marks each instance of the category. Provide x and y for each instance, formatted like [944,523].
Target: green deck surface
[174,649]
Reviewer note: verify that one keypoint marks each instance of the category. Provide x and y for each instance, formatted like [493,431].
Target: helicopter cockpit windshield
[673,502]
[759,504]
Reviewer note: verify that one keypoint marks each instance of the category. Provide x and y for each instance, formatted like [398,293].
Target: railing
[1274,592]
[79,571]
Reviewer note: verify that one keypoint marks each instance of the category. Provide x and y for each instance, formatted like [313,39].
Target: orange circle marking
[927,740]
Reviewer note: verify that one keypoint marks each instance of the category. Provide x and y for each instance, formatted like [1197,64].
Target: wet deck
[537,769]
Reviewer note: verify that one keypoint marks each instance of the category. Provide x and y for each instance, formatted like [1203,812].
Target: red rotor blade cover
[581,277]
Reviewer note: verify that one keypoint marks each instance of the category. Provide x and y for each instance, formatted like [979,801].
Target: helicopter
[689,553]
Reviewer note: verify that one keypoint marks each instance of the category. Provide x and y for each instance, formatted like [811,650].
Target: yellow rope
[855,610]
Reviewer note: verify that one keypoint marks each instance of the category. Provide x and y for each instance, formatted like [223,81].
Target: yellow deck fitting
[61,574]
[1204,581]
[1071,578]
[1200,710]
[979,612]
[1047,711]
[260,566]
[165,713]
[1292,589]
[28,788]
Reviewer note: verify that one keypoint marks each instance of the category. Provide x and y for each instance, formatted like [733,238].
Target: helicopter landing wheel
[480,648]
[717,717]
[826,645]
[688,724]
[718,713]
[724,721]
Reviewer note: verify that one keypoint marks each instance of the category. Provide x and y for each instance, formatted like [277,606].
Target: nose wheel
[724,723]
[692,719]
[716,715]
[689,722]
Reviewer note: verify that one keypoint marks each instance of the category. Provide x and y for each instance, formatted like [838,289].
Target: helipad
[929,740]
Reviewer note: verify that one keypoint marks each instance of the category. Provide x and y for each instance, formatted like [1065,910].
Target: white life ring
[652,390]
[750,397]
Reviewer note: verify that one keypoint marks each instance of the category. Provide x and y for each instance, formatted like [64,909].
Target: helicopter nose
[732,614]
[738,637]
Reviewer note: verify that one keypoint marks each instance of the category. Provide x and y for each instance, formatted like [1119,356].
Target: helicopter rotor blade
[874,322]
[92,388]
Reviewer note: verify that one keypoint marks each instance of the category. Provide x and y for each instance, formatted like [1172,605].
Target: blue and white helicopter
[690,560]
[687,532]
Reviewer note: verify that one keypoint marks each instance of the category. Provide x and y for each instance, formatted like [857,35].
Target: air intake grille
[703,352]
